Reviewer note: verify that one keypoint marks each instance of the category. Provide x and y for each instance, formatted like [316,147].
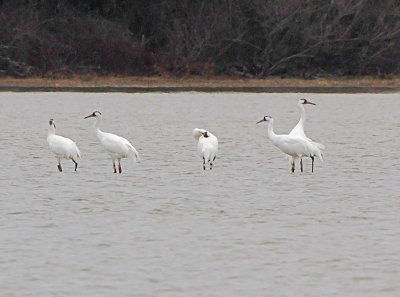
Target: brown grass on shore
[193,81]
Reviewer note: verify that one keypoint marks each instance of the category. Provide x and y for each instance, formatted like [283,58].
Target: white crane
[294,146]
[62,147]
[207,146]
[298,130]
[116,146]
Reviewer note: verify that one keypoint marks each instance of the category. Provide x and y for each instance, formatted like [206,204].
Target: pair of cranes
[116,146]
[296,144]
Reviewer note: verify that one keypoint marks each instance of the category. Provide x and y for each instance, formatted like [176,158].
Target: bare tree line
[250,38]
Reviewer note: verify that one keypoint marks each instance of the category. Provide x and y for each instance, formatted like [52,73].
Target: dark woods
[253,38]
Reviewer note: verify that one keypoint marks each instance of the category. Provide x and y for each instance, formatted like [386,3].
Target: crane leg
[76,164]
[312,163]
[59,167]
[292,163]
[115,169]
[212,163]
[204,163]
[119,167]
[301,165]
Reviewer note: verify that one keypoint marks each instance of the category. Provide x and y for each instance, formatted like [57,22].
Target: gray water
[165,227]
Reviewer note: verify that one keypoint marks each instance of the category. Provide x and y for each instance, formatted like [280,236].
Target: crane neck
[97,127]
[51,130]
[303,114]
[271,133]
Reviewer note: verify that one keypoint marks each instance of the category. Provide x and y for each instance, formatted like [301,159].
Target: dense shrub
[252,38]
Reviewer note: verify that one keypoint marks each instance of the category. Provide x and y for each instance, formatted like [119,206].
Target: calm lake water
[165,227]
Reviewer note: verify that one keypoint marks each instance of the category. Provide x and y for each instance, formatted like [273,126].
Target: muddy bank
[210,84]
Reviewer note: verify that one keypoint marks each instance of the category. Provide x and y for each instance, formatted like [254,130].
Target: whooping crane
[62,147]
[294,146]
[298,130]
[207,146]
[116,146]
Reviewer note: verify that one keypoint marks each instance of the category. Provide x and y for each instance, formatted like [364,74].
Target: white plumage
[207,146]
[62,147]
[298,130]
[294,146]
[116,146]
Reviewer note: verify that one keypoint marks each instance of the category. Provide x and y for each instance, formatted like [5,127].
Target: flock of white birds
[295,144]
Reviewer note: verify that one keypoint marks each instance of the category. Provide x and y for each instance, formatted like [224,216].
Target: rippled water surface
[165,227]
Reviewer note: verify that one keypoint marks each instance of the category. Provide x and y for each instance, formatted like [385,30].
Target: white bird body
[292,145]
[62,147]
[116,146]
[207,146]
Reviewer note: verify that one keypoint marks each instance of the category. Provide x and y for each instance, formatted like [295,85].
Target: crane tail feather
[78,153]
[135,155]
[319,145]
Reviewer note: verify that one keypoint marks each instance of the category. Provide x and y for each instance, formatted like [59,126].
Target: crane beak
[308,102]
[260,121]
[89,116]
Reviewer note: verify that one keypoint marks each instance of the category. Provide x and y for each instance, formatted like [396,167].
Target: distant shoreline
[200,84]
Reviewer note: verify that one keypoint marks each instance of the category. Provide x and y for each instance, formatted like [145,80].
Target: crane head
[305,101]
[205,134]
[93,115]
[51,123]
[267,118]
